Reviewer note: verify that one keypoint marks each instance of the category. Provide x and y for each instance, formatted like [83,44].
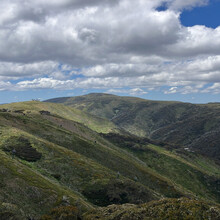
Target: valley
[74,155]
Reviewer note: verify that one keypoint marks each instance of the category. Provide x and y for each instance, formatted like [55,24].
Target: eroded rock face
[21,147]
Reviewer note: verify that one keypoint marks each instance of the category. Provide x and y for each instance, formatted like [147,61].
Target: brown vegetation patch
[21,147]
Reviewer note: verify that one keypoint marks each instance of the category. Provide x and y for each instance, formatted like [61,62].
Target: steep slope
[56,161]
[193,172]
[195,127]
[74,164]
[108,156]
[26,193]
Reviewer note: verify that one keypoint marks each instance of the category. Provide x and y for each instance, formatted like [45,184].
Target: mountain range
[109,157]
[185,125]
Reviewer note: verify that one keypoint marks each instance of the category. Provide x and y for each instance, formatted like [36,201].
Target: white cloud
[214,88]
[9,70]
[172,90]
[106,44]
[137,91]
[5,86]
[133,92]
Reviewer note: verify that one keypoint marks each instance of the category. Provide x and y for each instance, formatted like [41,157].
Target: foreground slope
[179,209]
[54,161]
[195,127]
[51,161]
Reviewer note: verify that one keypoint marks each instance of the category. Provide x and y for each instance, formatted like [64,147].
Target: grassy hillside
[196,127]
[108,156]
[179,209]
[74,166]
[48,160]
[189,170]
[26,192]
[34,107]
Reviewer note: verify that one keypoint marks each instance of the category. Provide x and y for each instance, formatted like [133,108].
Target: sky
[160,49]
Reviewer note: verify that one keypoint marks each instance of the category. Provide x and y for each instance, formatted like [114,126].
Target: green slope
[73,164]
[59,161]
[108,156]
[178,209]
[27,193]
[196,127]
[33,107]
[193,172]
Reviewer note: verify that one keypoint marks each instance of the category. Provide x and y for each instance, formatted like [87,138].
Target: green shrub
[21,147]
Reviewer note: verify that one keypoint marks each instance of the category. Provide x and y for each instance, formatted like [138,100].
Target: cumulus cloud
[91,35]
[5,85]
[133,92]
[10,70]
[106,44]
[214,88]
[85,83]
[171,90]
